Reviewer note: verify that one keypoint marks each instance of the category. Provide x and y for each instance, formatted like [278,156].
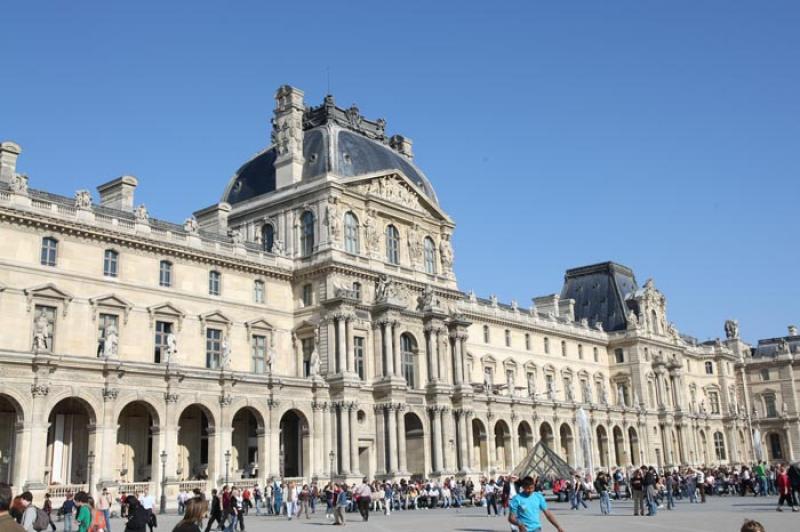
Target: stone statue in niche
[603,393]
[314,360]
[633,321]
[237,237]
[172,348]
[332,219]
[510,383]
[414,245]
[621,395]
[531,384]
[551,391]
[373,236]
[278,249]
[487,381]
[110,341]
[731,329]
[587,392]
[272,355]
[428,300]
[568,391]
[226,354]
[42,330]
[446,252]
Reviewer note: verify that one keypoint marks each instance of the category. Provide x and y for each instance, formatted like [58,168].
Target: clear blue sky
[664,135]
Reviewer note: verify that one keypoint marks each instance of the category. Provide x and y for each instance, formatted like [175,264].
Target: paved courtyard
[717,515]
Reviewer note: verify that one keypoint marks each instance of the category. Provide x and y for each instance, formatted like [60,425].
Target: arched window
[719,445]
[165,274]
[775,446]
[49,251]
[267,237]
[408,348]
[351,243]
[307,234]
[392,245]
[430,256]
[110,263]
[654,321]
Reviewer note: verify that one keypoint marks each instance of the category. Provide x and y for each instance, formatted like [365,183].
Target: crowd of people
[224,510]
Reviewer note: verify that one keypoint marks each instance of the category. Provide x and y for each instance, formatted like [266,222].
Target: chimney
[548,304]
[287,135]
[792,330]
[214,219]
[402,145]
[118,193]
[9,151]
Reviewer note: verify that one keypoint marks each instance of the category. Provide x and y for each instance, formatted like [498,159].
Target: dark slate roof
[334,140]
[599,291]
[770,347]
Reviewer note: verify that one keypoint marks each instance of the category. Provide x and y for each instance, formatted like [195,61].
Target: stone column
[388,359]
[333,357]
[390,417]
[333,436]
[447,434]
[491,448]
[436,443]
[463,466]
[317,435]
[445,358]
[401,440]
[351,353]
[457,363]
[108,439]
[468,434]
[380,439]
[261,437]
[396,354]
[462,352]
[273,437]
[341,349]
[326,439]
[169,437]
[344,431]
[38,426]
[354,465]
[432,357]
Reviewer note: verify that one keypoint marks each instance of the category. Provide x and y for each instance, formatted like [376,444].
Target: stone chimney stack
[214,219]
[9,151]
[287,135]
[402,145]
[118,193]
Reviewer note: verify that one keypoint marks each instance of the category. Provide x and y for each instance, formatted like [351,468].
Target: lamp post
[331,457]
[163,502]
[89,466]
[227,464]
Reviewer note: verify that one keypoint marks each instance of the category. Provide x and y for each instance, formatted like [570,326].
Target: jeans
[231,523]
[670,500]
[577,498]
[258,506]
[107,515]
[68,522]
[291,508]
[605,503]
[638,502]
[652,505]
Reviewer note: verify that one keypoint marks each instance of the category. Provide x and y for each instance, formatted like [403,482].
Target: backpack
[98,523]
[41,521]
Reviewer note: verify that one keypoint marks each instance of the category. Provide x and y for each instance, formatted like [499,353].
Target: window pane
[110,263]
[163,329]
[307,234]
[358,347]
[49,247]
[213,348]
[259,353]
[165,274]
[268,237]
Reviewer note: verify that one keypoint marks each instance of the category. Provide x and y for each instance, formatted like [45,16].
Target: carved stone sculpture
[620,395]
[633,321]
[83,200]
[587,392]
[510,383]
[603,393]
[373,236]
[487,381]
[141,215]
[792,330]
[314,362]
[446,252]
[172,347]
[332,220]
[272,356]
[19,184]
[531,384]
[731,329]
[111,341]
[41,333]
[428,300]
[190,226]
[414,245]
[237,237]
[226,354]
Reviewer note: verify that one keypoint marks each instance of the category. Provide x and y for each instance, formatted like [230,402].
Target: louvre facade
[310,325]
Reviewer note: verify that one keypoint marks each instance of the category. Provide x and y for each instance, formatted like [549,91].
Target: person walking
[257,498]
[290,496]
[68,511]
[104,502]
[215,514]
[363,496]
[148,502]
[84,517]
[784,489]
[601,486]
[304,499]
[669,484]
[137,516]
[341,504]
[650,492]
[526,506]
[490,492]
[47,507]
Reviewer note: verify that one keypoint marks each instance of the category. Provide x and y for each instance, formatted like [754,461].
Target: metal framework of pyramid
[542,461]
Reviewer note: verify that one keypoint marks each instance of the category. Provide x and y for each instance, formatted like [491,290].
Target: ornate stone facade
[310,325]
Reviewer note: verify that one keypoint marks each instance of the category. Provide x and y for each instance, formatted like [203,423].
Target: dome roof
[334,141]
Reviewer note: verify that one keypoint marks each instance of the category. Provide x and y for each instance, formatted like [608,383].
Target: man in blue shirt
[525,508]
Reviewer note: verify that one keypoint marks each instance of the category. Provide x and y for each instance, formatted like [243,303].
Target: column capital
[40,390]
[110,394]
[226,399]
[170,397]
[319,405]
[272,403]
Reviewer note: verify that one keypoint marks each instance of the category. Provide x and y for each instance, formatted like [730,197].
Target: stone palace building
[309,325]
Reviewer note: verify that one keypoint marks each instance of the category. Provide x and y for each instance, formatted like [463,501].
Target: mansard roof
[600,291]
[335,141]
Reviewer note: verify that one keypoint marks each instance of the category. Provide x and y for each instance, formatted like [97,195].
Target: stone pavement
[724,514]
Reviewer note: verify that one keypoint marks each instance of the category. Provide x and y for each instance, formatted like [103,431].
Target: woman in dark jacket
[193,518]
[137,516]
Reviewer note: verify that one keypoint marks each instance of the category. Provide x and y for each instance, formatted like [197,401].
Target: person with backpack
[137,515]
[28,512]
[7,522]
[84,512]
[98,523]
[601,486]
[48,509]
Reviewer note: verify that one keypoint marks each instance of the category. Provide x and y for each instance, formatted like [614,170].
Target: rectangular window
[508,338]
[213,348]
[580,351]
[771,408]
[308,295]
[308,348]
[709,368]
[765,374]
[259,292]
[486,334]
[110,263]
[49,251]
[619,355]
[713,398]
[358,353]
[165,274]
[563,349]
[44,324]
[214,281]
[163,329]
[107,324]
[527,341]
[595,354]
[259,346]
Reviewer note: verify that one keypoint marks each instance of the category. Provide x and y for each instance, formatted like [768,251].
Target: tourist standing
[148,502]
[490,492]
[526,506]
[637,487]
[601,485]
[137,516]
[290,496]
[257,497]
[341,504]
[363,497]
[68,511]
[669,483]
